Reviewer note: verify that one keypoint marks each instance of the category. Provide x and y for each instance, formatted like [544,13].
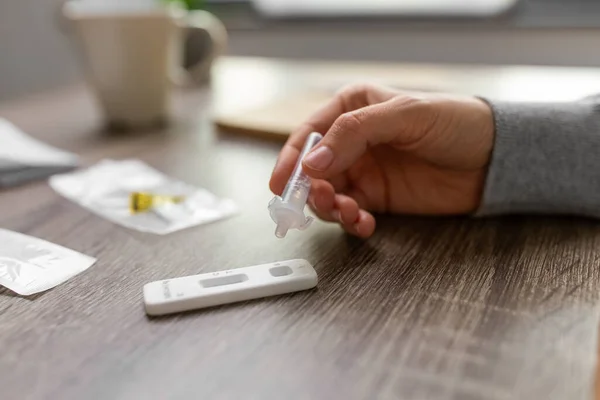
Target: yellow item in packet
[142,201]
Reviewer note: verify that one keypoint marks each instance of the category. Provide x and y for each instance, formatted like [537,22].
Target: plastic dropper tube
[287,211]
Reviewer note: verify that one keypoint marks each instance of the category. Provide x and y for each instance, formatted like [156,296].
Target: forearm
[546,159]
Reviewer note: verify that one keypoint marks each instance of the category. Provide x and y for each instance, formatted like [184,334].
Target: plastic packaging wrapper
[29,265]
[109,187]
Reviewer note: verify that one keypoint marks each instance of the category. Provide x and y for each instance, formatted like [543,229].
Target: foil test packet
[132,194]
[29,265]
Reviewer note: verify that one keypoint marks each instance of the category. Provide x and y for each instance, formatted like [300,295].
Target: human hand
[387,151]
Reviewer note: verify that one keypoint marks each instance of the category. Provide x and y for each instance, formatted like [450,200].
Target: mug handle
[216,31]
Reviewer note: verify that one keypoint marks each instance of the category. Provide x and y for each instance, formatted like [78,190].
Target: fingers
[283,168]
[365,225]
[348,99]
[341,209]
[401,121]
[319,122]
[354,220]
[322,200]
[339,182]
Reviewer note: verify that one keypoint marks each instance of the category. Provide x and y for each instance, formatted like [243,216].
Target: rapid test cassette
[223,287]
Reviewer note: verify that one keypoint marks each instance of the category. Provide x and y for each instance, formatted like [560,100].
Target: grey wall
[492,45]
[35,55]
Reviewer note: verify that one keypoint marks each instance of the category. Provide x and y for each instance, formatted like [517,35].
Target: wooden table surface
[428,308]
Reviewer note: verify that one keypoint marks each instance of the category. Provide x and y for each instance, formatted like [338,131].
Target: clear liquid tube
[287,211]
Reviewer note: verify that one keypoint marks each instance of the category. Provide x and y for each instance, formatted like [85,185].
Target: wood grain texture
[274,120]
[428,308]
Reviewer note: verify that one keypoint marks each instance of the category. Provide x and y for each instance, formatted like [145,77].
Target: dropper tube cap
[282,229]
[287,211]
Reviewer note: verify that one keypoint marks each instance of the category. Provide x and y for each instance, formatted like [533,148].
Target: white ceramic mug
[133,56]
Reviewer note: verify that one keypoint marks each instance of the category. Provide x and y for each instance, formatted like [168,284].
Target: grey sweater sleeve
[546,159]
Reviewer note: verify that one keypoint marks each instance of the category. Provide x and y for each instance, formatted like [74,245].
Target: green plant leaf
[188,4]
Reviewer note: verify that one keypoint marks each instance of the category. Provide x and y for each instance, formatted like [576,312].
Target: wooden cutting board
[274,120]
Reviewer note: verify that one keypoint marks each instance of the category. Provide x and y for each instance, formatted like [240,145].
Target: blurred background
[36,53]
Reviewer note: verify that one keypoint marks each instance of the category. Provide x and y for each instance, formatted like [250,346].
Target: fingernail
[336,215]
[319,159]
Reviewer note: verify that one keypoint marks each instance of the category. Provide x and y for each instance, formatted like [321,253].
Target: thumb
[401,121]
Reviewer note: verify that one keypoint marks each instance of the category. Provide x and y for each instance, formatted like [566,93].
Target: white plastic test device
[287,211]
[224,287]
